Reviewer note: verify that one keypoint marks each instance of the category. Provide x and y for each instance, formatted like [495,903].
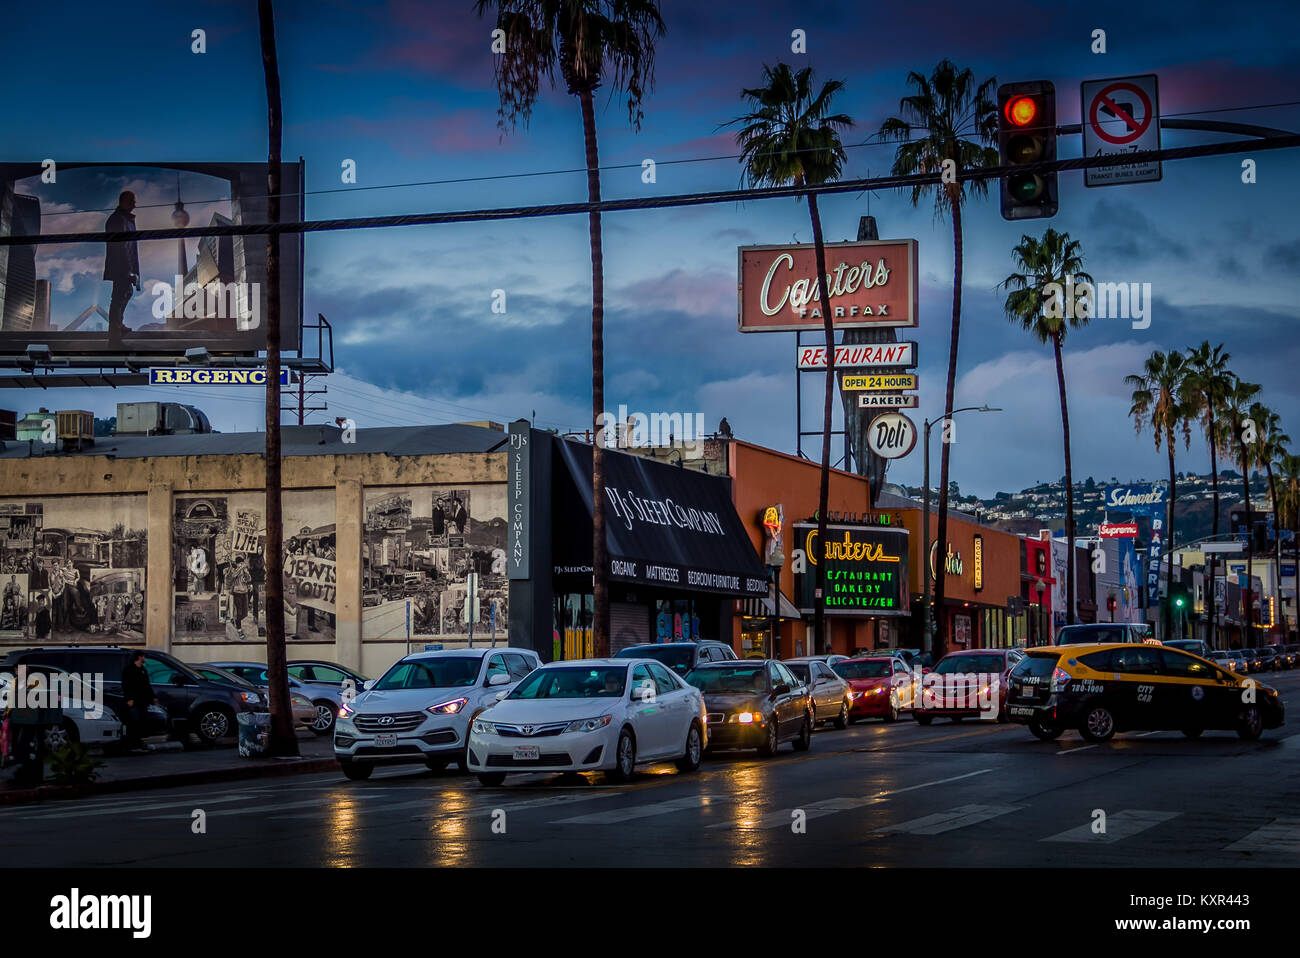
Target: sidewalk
[170,766]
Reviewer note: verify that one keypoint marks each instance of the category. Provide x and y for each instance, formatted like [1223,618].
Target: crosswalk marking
[1121,825]
[1279,835]
[958,817]
[430,804]
[617,815]
[125,809]
[264,810]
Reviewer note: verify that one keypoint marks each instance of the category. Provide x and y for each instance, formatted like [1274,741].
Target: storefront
[1032,623]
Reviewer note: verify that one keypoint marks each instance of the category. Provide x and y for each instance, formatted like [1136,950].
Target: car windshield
[679,658]
[441,673]
[731,678]
[573,683]
[874,669]
[1077,634]
[951,664]
[800,670]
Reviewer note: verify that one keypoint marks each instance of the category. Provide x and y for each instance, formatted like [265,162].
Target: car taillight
[1060,679]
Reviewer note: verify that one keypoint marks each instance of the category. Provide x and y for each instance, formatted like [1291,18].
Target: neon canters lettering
[844,280]
[847,550]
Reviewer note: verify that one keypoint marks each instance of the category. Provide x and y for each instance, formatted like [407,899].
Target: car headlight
[448,708]
[251,698]
[877,691]
[748,718]
[345,712]
[484,728]
[588,725]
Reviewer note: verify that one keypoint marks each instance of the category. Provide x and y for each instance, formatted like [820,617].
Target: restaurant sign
[866,569]
[869,283]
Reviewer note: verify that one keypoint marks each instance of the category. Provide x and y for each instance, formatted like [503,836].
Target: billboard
[145,297]
[872,283]
[866,570]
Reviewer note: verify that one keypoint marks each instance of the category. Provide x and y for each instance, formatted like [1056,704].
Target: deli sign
[869,283]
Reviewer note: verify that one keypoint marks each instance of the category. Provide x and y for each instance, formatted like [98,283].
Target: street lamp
[927,625]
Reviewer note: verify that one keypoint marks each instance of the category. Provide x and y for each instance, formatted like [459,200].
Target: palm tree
[947,107]
[1212,379]
[1235,440]
[1052,259]
[1270,445]
[1164,399]
[590,42]
[790,136]
[1288,468]
[283,741]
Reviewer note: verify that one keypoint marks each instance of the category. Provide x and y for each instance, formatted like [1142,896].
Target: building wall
[163,533]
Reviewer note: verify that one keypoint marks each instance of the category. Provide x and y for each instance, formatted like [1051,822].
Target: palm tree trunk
[1069,488]
[1214,481]
[283,741]
[1277,547]
[599,547]
[1248,637]
[1169,541]
[940,619]
[820,638]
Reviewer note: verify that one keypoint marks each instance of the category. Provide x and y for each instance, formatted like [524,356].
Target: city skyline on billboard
[146,297]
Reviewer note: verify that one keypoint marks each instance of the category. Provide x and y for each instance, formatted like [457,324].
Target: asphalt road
[969,794]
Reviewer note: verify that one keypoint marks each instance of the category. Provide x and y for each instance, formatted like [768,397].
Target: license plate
[528,753]
[386,740]
[1021,710]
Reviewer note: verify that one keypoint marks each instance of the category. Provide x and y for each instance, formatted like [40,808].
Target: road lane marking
[617,815]
[954,818]
[473,808]
[1081,748]
[1279,835]
[830,806]
[77,812]
[1121,825]
[263,810]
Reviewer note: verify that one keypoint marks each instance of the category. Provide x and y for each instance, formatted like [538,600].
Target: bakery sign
[868,283]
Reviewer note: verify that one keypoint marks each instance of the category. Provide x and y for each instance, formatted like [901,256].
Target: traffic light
[1027,134]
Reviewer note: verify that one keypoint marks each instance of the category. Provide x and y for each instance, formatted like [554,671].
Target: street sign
[887,400]
[1222,546]
[884,382]
[891,435]
[1121,115]
[863,354]
[1119,530]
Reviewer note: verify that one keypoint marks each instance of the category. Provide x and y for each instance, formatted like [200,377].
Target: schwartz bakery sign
[866,569]
[869,283]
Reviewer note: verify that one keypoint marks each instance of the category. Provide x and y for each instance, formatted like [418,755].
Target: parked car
[881,686]
[681,657]
[328,685]
[965,681]
[830,658]
[1267,658]
[304,713]
[591,715]
[754,703]
[1241,661]
[105,729]
[194,704]
[1253,662]
[831,695]
[1228,660]
[1194,646]
[371,598]
[1293,655]
[421,709]
[1138,632]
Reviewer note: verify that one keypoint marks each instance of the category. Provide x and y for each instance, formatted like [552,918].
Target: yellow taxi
[1106,688]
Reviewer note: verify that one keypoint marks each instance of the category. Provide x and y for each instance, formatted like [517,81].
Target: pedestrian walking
[139,696]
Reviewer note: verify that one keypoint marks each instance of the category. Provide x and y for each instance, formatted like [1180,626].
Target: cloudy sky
[405,89]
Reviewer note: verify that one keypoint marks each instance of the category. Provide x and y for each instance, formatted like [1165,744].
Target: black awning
[665,526]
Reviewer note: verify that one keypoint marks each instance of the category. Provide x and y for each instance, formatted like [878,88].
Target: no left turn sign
[1121,115]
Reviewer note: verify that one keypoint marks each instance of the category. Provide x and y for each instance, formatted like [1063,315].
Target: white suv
[420,710]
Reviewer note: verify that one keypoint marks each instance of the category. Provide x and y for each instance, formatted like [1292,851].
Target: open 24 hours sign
[866,569]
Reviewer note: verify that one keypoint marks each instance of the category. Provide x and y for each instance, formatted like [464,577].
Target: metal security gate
[629,624]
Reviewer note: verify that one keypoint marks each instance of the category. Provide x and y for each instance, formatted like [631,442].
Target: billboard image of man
[121,266]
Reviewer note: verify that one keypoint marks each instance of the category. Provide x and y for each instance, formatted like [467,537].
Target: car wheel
[326,715]
[1251,724]
[1098,724]
[1193,732]
[923,719]
[357,771]
[957,719]
[1044,732]
[842,720]
[491,779]
[463,761]
[690,759]
[805,735]
[1002,716]
[624,757]
[892,714]
[213,724]
[57,736]
[769,747]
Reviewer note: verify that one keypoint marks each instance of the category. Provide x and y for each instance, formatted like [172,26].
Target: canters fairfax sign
[870,283]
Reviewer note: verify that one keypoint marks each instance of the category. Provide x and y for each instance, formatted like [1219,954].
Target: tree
[1164,399]
[589,42]
[1211,378]
[1235,439]
[947,106]
[1035,301]
[283,740]
[1270,445]
[1288,467]
[790,136]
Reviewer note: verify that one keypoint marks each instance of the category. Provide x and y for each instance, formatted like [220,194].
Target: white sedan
[591,715]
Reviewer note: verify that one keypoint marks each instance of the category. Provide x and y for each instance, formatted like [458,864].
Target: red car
[881,686]
[962,685]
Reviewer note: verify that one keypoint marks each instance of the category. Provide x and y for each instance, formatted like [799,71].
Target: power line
[976,174]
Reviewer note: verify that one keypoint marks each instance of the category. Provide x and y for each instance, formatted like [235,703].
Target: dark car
[1194,646]
[681,657]
[193,703]
[754,703]
[1253,661]
[1268,658]
[1292,655]
[1104,632]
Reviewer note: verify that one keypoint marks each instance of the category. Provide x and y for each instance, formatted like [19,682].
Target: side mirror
[498,679]
[781,689]
[502,694]
[178,680]
[369,683]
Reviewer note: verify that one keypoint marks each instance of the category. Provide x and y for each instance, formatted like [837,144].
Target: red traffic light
[1021,110]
